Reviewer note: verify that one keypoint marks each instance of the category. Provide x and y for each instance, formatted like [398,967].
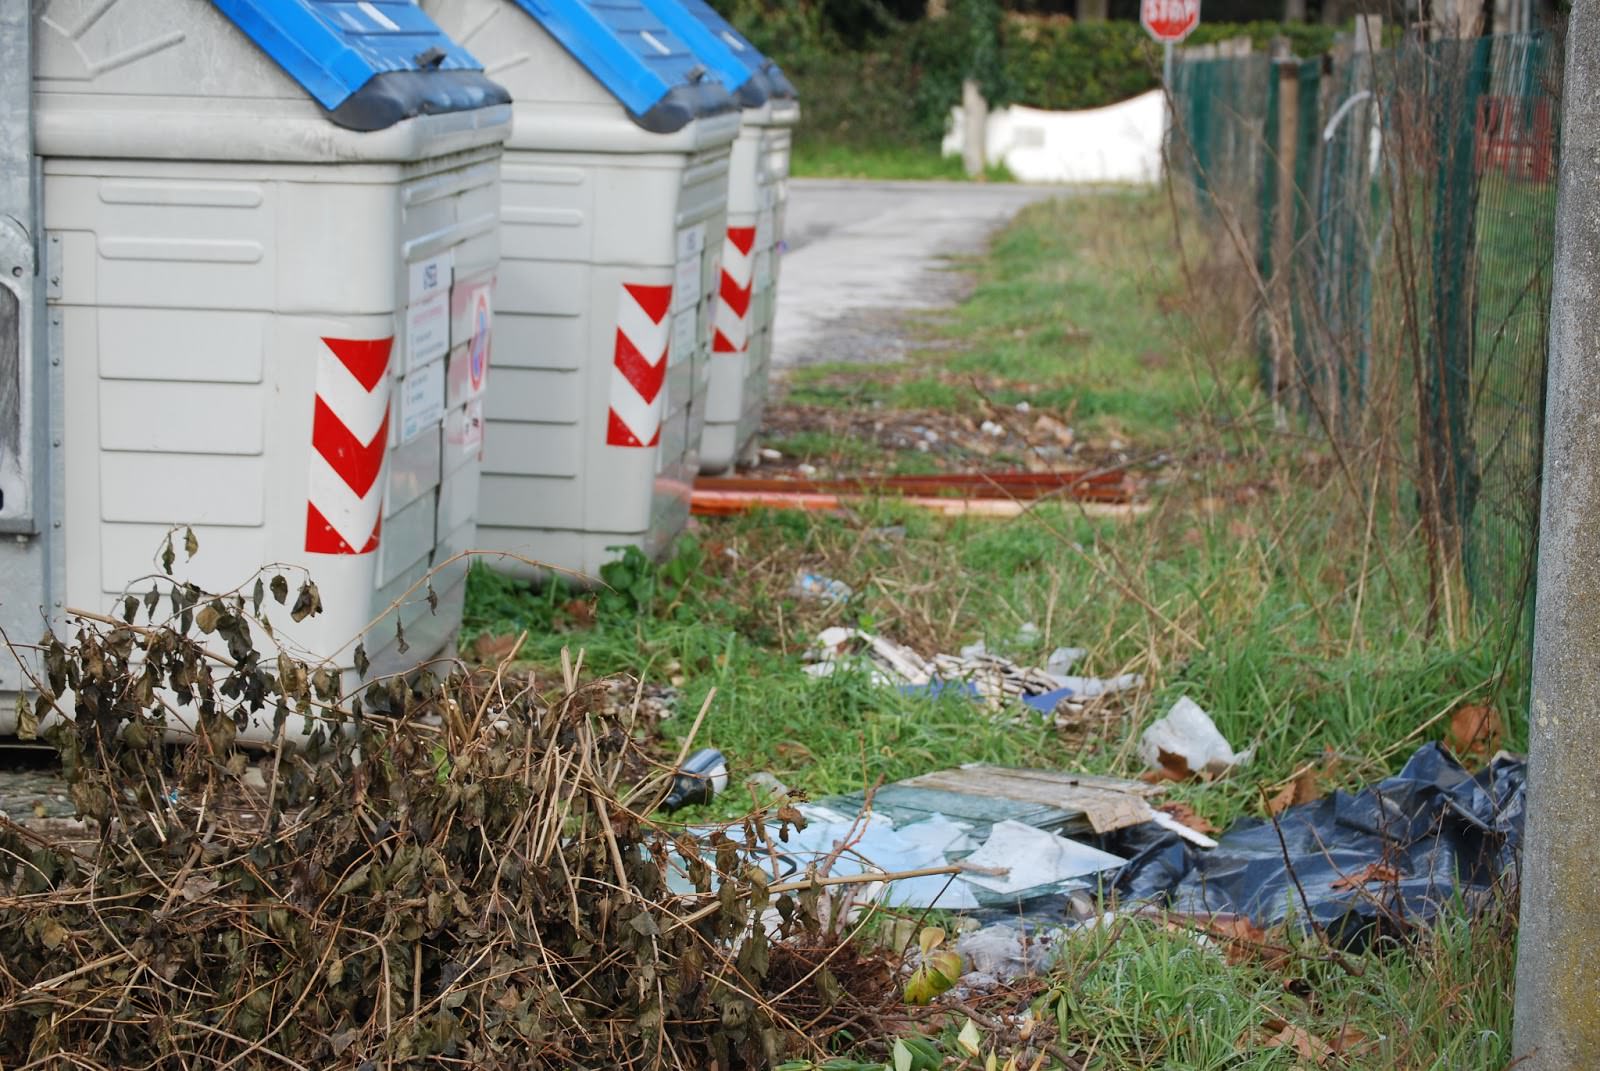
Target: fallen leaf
[970,1039]
[1350,1042]
[197,888]
[1380,873]
[1169,767]
[1242,941]
[1282,1034]
[1474,732]
[492,649]
[1307,785]
[1302,789]
[1184,813]
[581,611]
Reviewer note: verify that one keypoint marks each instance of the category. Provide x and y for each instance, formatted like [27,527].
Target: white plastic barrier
[1120,143]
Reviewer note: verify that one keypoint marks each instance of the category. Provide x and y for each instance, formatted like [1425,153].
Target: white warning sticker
[686,282]
[427,329]
[421,400]
[683,337]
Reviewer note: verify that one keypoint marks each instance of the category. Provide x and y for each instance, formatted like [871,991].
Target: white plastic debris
[1193,836]
[1002,950]
[993,430]
[1188,733]
[1063,659]
[1031,857]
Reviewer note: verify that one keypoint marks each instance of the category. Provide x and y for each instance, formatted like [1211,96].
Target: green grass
[1065,316]
[1260,584]
[888,162]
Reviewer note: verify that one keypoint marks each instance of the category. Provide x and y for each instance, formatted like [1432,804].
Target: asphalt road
[862,254]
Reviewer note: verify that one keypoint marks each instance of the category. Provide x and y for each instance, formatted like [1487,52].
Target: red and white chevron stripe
[732,325]
[639,367]
[349,439]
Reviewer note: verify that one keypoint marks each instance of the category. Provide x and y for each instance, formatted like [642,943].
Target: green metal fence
[1400,205]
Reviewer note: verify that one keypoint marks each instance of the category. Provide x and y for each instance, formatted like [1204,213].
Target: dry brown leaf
[1170,767]
[1350,1042]
[1184,813]
[491,649]
[1283,1034]
[1242,941]
[1474,732]
[1379,873]
[1303,789]
[1307,785]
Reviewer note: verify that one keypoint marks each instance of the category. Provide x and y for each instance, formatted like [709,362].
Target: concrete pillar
[1558,949]
[974,145]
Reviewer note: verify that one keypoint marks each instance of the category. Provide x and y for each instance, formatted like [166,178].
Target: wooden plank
[1061,777]
[1106,803]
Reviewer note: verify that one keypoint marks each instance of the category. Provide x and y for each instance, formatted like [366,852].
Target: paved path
[862,253]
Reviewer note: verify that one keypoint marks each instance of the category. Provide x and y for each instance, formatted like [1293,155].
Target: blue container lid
[749,87]
[369,63]
[778,85]
[630,50]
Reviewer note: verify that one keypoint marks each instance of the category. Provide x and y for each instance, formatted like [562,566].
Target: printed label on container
[421,400]
[431,276]
[683,337]
[427,329]
[686,276]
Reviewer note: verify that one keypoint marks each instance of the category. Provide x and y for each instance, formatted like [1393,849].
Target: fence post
[1300,276]
[1558,949]
[1287,79]
[1450,358]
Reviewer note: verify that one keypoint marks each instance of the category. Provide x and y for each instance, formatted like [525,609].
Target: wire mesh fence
[1399,206]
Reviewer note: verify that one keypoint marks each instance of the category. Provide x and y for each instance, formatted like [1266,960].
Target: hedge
[897,88]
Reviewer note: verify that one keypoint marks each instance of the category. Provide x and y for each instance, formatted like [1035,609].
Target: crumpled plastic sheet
[1444,831]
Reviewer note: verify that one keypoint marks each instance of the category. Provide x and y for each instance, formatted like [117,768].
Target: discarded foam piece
[1032,858]
[1189,734]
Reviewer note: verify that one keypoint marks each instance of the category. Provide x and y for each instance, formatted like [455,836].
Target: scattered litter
[825,589]
[1188,833]
[989,427]
[975,671]
[1024,407]
[1062,659]
[1046,799]
[769,454]
[1005,950]
[1187,743]
[1393,852]
[698,780]
[764,783]
[1027,858]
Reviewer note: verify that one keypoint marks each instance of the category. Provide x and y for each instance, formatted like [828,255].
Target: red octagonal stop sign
[1169,20]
